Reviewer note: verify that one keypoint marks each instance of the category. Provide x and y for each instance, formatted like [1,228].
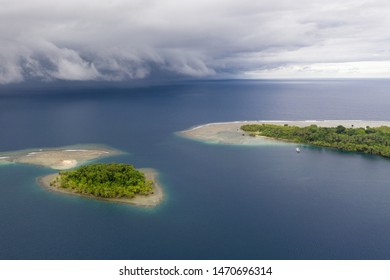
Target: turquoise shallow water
[223,201]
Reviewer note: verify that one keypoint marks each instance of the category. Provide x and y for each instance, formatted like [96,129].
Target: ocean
[221,201]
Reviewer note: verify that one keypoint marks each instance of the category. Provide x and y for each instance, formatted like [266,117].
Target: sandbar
[150,200]
[230,132]
[59,158]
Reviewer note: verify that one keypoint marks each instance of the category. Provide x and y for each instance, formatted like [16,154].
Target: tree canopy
[111,180]
[365,140]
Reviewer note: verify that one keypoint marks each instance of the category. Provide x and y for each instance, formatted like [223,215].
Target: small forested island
[367,140]
[113,182]
[105,180]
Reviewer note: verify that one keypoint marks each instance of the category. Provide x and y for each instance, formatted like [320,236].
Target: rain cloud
[119,40]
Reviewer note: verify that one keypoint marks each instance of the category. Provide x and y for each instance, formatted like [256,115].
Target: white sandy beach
[230,132]
[58,158]
[139,200]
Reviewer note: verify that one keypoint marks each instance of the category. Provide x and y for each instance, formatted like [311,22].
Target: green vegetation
[374,141]
[105,180]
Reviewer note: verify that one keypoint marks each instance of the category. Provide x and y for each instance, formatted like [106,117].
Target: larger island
[371,137]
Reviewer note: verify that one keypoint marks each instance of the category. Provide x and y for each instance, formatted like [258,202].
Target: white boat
[298,150]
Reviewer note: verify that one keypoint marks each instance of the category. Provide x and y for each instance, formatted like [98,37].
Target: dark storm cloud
[116,40]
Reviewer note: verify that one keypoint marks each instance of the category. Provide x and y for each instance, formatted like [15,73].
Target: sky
[118,40]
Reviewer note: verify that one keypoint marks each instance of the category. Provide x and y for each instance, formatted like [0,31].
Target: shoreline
[231,134]
[150,200]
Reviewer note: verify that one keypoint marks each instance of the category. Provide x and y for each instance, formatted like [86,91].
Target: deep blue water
[222,202]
